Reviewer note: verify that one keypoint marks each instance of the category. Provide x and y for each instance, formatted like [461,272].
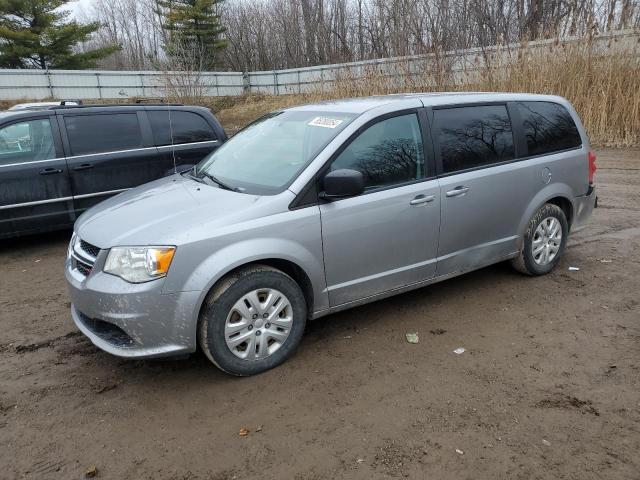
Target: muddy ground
[549,385]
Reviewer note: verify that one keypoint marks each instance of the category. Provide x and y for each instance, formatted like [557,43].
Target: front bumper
[583,208]
[132,320]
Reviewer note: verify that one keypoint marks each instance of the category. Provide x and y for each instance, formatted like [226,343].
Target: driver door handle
[420,199]
[458,191]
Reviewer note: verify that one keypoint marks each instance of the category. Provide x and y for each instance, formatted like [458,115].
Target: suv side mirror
[343,183]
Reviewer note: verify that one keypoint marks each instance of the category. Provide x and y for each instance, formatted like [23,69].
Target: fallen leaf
[459,452]
[91,472]
[243,432]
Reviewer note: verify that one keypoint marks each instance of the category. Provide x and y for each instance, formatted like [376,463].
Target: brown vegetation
[603,87]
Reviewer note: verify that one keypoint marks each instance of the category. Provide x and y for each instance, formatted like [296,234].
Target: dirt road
[548,388]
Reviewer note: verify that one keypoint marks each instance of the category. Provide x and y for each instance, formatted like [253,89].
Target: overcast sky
[79,8]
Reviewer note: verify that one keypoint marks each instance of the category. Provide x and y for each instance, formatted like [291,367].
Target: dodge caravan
[314,209]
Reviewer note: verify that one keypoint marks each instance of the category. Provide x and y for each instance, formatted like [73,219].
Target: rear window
[471,137]
[103,133]
[548,127]
[187,127]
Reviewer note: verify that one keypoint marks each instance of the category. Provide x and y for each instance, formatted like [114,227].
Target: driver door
[386,238]
[35,191]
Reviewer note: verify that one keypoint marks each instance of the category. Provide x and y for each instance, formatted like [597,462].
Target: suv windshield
[266,156]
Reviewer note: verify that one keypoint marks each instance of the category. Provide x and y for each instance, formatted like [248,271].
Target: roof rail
[98,105]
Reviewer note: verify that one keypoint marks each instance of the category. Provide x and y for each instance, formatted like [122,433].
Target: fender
[223,261]
[543,196]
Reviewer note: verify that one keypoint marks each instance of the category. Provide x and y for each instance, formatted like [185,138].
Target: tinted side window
[471,137]
[387,153]
[103,133]
[187,127]
[27,141]
[548,127]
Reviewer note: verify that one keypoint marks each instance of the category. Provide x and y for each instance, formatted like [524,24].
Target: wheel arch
[567,207]
[557,194]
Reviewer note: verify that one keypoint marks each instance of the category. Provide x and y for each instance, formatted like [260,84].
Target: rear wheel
[544,241]
[252,321]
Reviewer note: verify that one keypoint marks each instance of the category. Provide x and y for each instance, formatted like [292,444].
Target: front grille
[82,268]
[90,249]
[83,256]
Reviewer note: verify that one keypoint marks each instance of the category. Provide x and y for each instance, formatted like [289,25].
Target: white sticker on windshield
[325,122]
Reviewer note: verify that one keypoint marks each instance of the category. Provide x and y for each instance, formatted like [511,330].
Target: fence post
[142,84]
[299,85]
[246,84]
[217,85]
[99,86]
[49,82]
[275,83]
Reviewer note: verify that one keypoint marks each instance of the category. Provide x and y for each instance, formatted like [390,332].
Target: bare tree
[274,34]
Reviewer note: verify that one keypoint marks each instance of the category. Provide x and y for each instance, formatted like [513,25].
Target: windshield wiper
[220,183]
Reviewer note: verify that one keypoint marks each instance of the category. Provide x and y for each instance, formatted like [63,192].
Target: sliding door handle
[420,199]
[84,166]
[50,171]
[457,192]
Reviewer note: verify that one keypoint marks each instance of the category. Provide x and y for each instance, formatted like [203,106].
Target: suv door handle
[50,171]
[458,191]
[84,166]
[420,199]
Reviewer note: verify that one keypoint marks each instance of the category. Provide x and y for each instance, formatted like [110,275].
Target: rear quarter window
[548,127]
[471,137]
[102,133]
[186,127]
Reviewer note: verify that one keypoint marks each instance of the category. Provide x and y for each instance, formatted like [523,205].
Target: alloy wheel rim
[546,241]
[258,324]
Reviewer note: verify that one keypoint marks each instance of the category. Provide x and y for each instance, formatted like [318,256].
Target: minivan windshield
[266,156]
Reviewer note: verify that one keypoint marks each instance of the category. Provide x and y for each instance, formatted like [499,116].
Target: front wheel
[252,321]
[544,241]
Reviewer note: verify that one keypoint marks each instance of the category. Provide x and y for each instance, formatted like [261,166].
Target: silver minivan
[319,208]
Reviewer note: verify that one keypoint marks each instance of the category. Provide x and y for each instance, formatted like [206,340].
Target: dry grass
[604,87]
[602,83]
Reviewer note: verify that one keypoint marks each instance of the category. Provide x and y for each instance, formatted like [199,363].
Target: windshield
[265,157]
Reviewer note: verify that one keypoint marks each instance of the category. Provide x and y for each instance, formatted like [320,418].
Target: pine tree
[194,29]
[34,34]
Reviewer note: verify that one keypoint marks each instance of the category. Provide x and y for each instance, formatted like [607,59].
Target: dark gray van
[57,162]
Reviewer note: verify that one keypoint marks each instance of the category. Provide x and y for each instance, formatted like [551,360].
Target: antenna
[173,147]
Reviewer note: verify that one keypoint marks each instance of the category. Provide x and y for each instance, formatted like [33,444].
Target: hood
[160,211]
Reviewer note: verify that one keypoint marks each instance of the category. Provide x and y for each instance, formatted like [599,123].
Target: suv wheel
[544,241]
[252,321]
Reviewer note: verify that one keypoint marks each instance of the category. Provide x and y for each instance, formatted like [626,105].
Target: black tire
[524,262]
[218,305]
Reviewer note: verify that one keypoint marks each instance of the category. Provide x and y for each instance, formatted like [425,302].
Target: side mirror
[343,183]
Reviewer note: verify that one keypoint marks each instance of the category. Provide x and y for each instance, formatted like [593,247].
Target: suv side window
[387,153]
[471,137]
[187,127]
[103,132]
[548,127]
[26,141]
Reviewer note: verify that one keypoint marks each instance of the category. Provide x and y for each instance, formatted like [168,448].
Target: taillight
[592,166]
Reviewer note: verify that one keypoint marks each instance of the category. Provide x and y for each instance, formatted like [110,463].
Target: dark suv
[57,162]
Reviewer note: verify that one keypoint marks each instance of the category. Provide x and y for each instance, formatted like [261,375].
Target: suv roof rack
[98,105]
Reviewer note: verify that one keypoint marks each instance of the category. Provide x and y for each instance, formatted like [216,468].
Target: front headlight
[139,264]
